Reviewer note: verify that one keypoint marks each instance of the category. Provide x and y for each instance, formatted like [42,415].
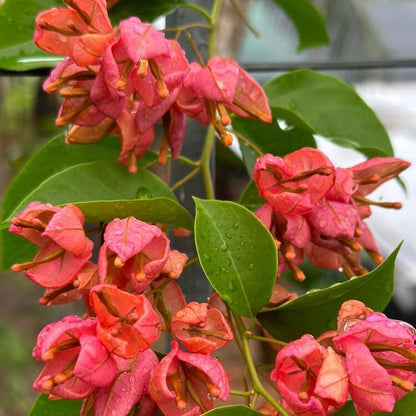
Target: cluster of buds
[123,80]
[370,358]
[316,209]
[131,296]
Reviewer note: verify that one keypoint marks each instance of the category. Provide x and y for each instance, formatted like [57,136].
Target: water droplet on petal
[224,246]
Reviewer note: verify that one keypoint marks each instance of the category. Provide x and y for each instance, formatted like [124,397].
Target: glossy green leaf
[237,254]
[104,190]
[308,21]
[45,407]
[269,138]
[55,156]
[316,311]
[160,210]
[146,10]
[235,410]
[17,24]
[324,105]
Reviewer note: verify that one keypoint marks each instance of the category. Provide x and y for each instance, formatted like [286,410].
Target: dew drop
[207,257]
[223,269]
[219,225]
[238,257]
[236,225]
[242,243]
[228,235]
[224,246]
[231,285]
[143,193]
[251,266]
[292,105]
[228,262]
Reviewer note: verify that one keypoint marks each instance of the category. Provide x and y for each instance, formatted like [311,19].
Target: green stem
[248,142]
[265,339]
[198,9]
[205,162]
[214,18]
[241,393]
[187,161]
[185,179]
[257,385]
[191,262]
[243,17]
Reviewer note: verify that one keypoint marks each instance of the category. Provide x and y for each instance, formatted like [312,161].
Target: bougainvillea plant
[128,93]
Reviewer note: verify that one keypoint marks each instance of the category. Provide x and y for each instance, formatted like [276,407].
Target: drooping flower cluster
[371,358]
[317,210]
[123,80]
[131,296]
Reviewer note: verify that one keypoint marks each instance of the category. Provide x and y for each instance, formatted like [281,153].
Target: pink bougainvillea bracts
[311,379]
[127,322]
[76,361]
[317,210]
[65,249]
[221,84]
[380,359]
[133,252]
[81,31]
[201,329]
[185,383]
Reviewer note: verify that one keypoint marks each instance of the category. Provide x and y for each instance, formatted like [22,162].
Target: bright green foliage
[308,21]
[17,24]
[45,407]
[236,410]
[103,190]
[322,104]
[316,311]
[237,253]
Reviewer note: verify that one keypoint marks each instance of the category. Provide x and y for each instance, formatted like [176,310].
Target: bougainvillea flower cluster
[123,80]
[131,297]
[317,210]
[370,358]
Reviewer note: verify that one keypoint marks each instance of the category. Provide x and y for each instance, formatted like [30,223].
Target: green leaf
[316,311]
[17,24]
[104,190]
[237,254]
[144,9]
[308,21]
[161,210]
[325,105]
[55,156]
[45,407]
[269,138]
[235,410]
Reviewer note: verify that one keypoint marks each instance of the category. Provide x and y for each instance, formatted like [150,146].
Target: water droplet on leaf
[143,193]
